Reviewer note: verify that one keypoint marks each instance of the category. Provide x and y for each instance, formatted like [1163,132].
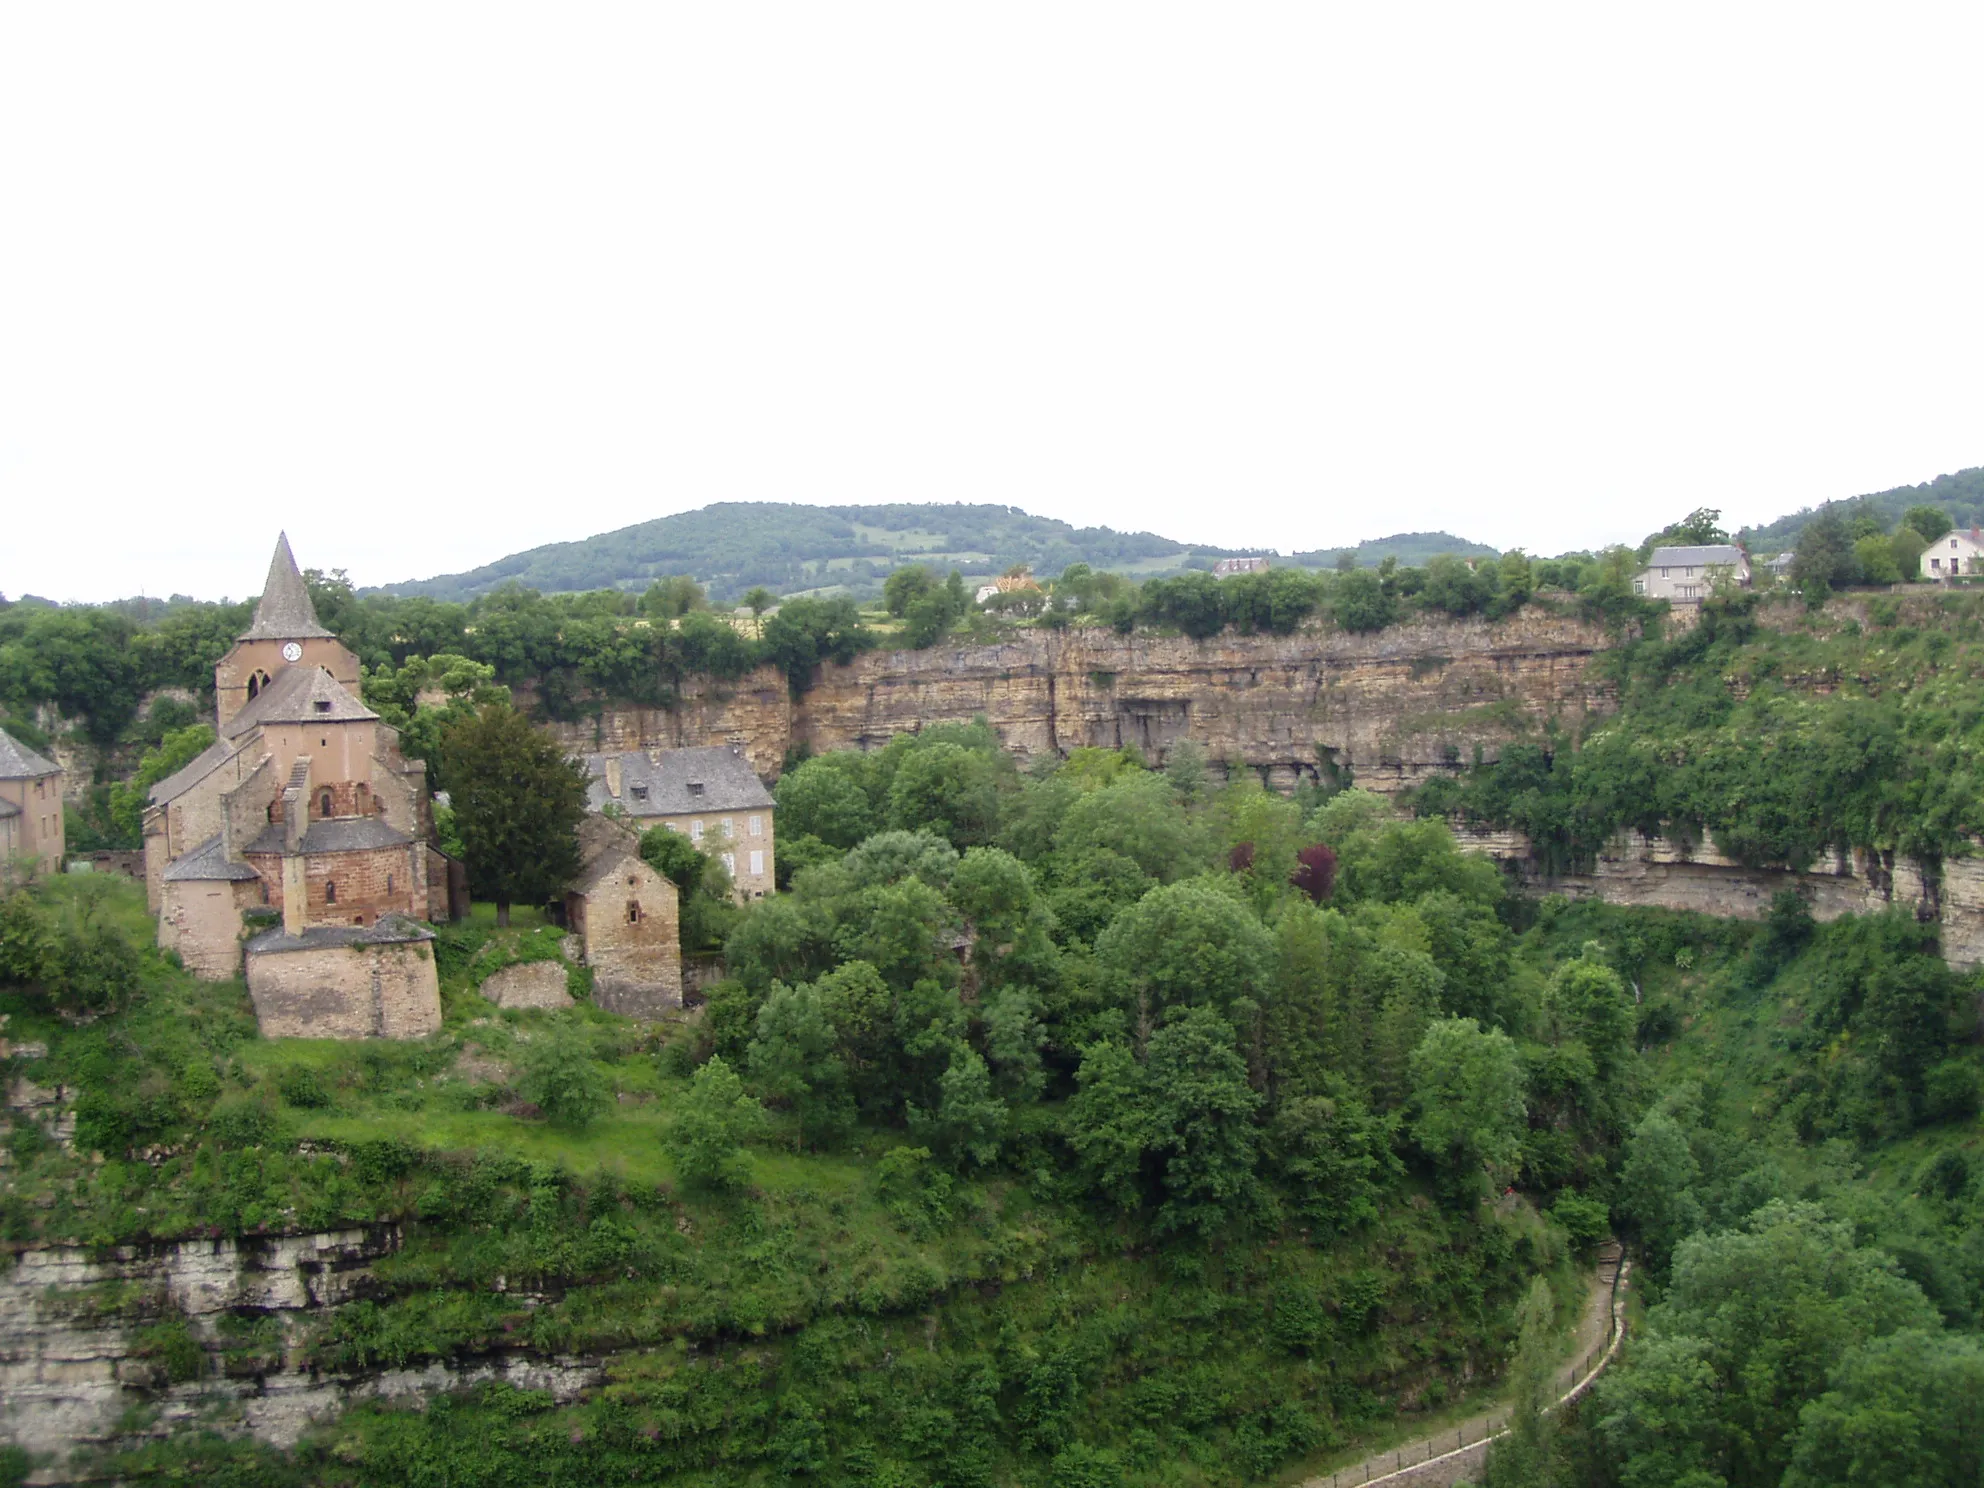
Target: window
[695,831]
[389,883]
[323,705]
[696,786]
[730,864]
[1936,563]
[324,804]
[330,892]
[1663,573]
[758,861]
[633,911]
[757,826]
[640,793]
[1952,542]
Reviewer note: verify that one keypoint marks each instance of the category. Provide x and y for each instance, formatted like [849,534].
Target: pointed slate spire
[285,612]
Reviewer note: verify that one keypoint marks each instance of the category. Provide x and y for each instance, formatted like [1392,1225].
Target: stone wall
[69,1376]
[346,991]
[1633,869]
[201,920]
[1396,707]
[629,924]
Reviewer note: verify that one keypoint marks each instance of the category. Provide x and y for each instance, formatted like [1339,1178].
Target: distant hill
[1961,495]
[734,545]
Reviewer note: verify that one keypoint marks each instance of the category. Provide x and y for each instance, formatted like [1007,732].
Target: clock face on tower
[292,652]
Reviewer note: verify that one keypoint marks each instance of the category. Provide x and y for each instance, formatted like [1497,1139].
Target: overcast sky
[428,285]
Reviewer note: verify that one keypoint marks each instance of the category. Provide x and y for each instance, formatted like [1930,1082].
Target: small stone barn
[628,923]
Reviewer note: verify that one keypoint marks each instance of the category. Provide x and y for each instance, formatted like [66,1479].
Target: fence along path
[1601,1330]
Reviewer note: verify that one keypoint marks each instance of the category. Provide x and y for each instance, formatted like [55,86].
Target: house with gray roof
[712,796]
[30,810]
[1686,575]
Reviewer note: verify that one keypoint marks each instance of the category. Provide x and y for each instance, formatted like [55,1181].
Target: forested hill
[734,545]
[1960,496]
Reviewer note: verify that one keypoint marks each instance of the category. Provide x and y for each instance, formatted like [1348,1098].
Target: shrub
[561,1080]
[247,1120]
[1585,1220]
[716,1119]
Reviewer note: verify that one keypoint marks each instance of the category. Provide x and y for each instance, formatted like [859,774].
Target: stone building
[1687,574]
[304,806]
[628,922]
[710,795]
[30,810]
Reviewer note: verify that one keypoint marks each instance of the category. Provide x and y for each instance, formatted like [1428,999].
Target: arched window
[257,680]
[389,883]
[324,804]
[330,891]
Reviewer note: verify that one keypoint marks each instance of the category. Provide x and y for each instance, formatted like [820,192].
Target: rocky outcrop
[1393,707]
[79,1343]
[1634,869]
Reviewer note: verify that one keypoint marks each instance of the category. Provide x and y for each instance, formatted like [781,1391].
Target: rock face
[1634,869]
[529,984]
[72,1361]
[1394,707]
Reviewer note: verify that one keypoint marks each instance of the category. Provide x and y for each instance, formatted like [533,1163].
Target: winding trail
[1446,1455]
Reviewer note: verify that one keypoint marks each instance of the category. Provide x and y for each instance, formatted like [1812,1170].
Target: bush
[247,1120]
[561,1080]
[1951,1091]
[1584,1219]
[716,1119]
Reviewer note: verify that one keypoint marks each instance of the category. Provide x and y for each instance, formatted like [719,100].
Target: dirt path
[1459,1448]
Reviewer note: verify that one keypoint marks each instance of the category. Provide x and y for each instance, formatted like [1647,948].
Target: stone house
[1688,574]
[30,809]
[1954,554]
[628,922]
[711,796]
[303,809]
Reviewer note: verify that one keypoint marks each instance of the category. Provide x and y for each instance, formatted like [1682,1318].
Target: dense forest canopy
[731,546]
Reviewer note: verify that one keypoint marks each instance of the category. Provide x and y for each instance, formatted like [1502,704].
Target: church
[297,848]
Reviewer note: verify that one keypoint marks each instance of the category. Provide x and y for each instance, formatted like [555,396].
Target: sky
[431,284]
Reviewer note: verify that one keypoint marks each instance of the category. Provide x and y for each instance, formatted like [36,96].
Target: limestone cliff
[1393,707]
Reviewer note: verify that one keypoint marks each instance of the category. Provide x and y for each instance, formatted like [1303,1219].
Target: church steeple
[284,612]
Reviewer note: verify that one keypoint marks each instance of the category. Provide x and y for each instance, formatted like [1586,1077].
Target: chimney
[613,776]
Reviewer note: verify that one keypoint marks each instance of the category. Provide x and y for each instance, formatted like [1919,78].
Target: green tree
[1656,1186]
[1522,1458]
[1824,560]
[947,789]
[905,586]
[1334,1156]
[1360,602]
[517,802]
[757,600]
[715,1120]
[560,1078]
[824,800]
[1927,522]
[176,750]
[1467,1100]
[796,1058]
[1204,1108]
[970,1121]
[1589,1003]
[1769,1310]
[1184,945]
[1139,817]
[1875,558]
[1905,1411]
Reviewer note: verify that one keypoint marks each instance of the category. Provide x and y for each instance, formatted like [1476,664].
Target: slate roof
[294,697]
[338,834]
[18,762]
[187,774]
[726,780]
[284,612]
[391,929]
[7,809]
[605,849]
[207,862]
[1714,554]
